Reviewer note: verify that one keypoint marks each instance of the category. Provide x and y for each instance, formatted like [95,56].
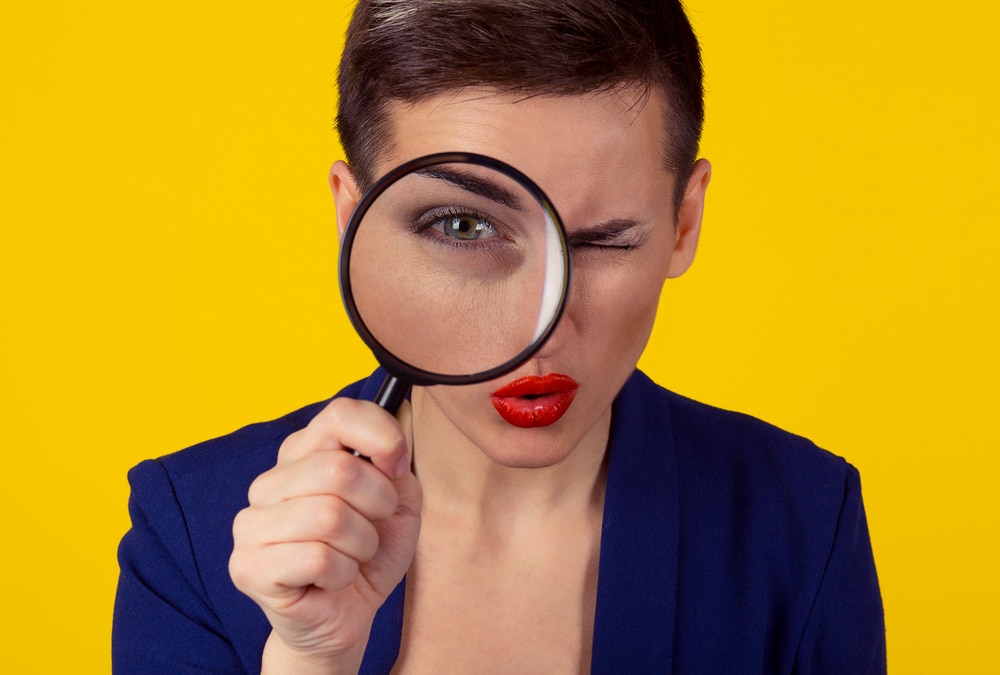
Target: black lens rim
[401,369]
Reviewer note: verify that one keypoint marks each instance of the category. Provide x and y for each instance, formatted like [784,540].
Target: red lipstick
[535,401]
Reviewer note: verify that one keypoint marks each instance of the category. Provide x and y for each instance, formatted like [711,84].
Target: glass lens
[457,268]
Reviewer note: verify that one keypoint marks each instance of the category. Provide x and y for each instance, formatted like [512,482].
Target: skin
[514,513]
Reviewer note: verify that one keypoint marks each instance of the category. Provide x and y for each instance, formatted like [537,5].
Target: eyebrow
[476,185]
[601,233]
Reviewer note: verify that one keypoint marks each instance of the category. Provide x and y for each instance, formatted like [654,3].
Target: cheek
[621,305]
[638,313]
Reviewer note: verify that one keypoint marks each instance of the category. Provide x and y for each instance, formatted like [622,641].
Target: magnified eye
[457,225]
[466,227]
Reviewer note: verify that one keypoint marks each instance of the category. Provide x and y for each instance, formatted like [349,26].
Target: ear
[689,219]
[345,193]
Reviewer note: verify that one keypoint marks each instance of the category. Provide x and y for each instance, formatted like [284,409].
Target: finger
[332,472]
[397,538]
[277,575]
[321,518]
[349,424]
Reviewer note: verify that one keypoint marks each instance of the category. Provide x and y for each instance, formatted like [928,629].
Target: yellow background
[168,248]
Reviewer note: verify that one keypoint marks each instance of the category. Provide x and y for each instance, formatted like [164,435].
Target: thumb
[398,535]
[397,539]
[405,418]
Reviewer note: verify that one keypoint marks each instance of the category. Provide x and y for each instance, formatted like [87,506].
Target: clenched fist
[327,536]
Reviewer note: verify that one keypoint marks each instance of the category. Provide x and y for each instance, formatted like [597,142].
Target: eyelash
[596,247]
[593,246]
[425,224]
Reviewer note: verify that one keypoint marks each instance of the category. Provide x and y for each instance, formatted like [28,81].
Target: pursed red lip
[535,401]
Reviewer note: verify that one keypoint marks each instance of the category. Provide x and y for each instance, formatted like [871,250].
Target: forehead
[588,152]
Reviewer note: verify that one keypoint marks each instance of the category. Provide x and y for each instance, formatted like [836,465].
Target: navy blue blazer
[728,546]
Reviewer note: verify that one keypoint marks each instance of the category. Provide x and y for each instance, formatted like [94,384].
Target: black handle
[392,393]
[390,396]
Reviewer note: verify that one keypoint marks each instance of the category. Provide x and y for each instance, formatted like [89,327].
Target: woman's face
[599,158]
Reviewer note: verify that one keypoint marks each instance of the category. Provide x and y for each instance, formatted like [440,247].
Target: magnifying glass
[454,269]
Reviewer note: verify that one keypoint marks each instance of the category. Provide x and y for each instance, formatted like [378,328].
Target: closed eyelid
[609,231]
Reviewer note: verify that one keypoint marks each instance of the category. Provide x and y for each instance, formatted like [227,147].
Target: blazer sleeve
[163,622]
[845,628]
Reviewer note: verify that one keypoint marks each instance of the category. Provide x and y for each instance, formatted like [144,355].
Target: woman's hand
[328,536]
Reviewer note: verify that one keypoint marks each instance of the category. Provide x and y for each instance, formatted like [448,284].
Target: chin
[528,449]
[523,460]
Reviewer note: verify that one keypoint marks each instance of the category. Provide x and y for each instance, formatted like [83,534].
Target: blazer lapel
[637,579]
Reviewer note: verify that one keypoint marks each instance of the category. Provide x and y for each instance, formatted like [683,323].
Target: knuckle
[386,440]
[318,560]
[258,488]
[342,471]
[328,517]
[240,525]
[238,571]
[288,445]
[380,433]
[338,412]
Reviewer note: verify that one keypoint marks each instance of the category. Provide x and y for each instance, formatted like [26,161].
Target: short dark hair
[408,50]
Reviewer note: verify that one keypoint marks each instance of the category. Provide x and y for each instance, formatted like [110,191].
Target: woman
[571,516]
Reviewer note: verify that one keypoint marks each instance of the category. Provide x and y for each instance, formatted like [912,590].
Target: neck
[493,483]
